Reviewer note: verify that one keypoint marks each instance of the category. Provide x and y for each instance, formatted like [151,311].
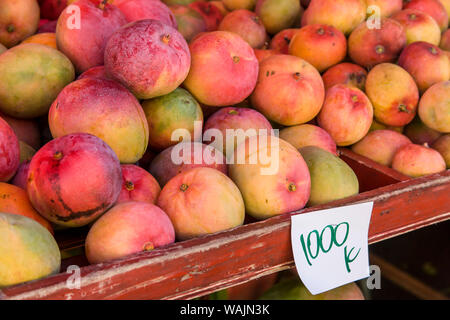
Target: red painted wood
[203,265]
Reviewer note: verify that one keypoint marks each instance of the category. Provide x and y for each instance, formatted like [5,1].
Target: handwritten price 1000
[321,247]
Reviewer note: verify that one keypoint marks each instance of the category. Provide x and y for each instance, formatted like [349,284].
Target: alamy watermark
[374,19]
[74,19]
[374,280]
[74,280]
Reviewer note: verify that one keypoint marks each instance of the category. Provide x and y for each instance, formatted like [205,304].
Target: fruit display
[142,125]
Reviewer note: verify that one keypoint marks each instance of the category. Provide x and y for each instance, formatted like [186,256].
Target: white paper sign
[331,246]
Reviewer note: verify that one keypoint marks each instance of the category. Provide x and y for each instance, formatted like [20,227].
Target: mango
[28,251]
[416,161]
[331,178]
[346,114]
[190,22]
[345,15]
[432,7]
[419,26]
[26,151]
[281,41]
[393,93]
[387,7]
[368,46]
[321,45]
[31,77]
[173,160]
[277,15]
[308,135]
[105,109]
[239,4]
[224,69]
[246,24]
[84,44]
[128,228]
[210,14]
[19,19]
[250,121]
[158,51]
[202,201]
[426,63]
[135,10]
[14,200]
[434,107]
[10,151]
[419,133]
[46,38]
[271,175]
[27,131]
[177,110]
[282,76]
[138,185]
[381,145]
[74,179]
[345,73]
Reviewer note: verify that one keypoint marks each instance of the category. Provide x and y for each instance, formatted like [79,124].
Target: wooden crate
[194,268]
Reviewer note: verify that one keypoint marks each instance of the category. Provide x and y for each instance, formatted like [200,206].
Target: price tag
[331,246]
